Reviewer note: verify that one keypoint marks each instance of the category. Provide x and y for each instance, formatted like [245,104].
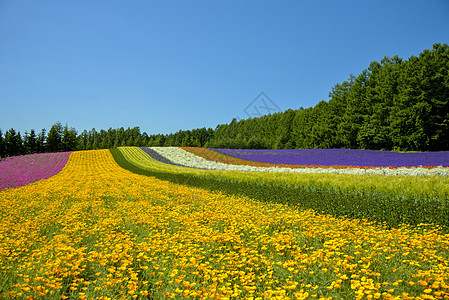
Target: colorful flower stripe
[181,156]
[412,187]
[96,231]
[21,170]
[342,157]
[156,156]
[215,155]
[218,156]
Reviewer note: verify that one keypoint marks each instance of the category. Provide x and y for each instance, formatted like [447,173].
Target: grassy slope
[393,200]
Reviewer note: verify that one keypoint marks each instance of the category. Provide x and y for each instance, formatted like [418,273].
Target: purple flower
[342,157]
[21,170]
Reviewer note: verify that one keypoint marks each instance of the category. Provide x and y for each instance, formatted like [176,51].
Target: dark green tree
[284,138]
[30,142]
[54,138]
[2,145]
[69,139]
[13,143]
[33,142]
[41,138]
[82,140]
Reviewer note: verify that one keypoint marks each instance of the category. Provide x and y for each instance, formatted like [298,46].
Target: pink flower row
[21,170]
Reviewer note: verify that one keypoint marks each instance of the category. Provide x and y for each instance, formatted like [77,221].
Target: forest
[395,104]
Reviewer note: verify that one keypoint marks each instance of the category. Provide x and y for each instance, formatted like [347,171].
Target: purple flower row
[21,170]
[342,157]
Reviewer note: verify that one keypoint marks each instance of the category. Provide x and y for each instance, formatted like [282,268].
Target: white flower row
[183,157]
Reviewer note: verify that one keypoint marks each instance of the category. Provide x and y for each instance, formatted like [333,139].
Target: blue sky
[171,65]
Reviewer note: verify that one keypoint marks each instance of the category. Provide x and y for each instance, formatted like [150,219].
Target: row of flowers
[341,157]
[182,157]
[342,162]
[21,170]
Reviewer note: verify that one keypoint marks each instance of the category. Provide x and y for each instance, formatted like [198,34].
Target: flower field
[390,199]
[203,158]
[98,231]
[20,170]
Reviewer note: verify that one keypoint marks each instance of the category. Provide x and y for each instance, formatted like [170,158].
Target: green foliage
[54,138]
[390,199]
[30,142]
[13,143]
[186,138]
[42,136]
[2,145]
[69,140]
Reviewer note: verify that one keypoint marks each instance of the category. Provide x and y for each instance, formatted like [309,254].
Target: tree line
[64,138]
[394,104]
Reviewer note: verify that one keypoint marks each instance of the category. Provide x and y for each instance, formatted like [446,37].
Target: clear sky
[171,65]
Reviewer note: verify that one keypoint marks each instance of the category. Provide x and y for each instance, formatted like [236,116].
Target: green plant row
[391,200]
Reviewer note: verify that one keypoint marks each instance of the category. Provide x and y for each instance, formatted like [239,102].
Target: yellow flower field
[97,231]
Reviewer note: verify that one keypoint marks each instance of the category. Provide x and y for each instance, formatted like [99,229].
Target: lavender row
[342,157]
[21,170]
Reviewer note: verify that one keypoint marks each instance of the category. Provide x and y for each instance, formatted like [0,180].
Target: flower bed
[342,157]
[21,170]
[156,156]
[98,231]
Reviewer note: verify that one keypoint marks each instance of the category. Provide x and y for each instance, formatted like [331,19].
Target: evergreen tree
[93,140]
[82,140]
[26,145]
[110,138]
[33,142]
[69,139]
[41,138]
[2,145]
[13,143]
[284,131]
[54,138]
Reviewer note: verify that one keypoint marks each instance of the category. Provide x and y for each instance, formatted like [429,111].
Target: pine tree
[26,144]
[82,141]
[54,138]
[69,139]
[13,143]
[41,138]
[32,142]
[2,145]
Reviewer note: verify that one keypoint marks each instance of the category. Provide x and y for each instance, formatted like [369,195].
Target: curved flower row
[21,170]
[156,156]
[181,156]
[342,157]
[219,155]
